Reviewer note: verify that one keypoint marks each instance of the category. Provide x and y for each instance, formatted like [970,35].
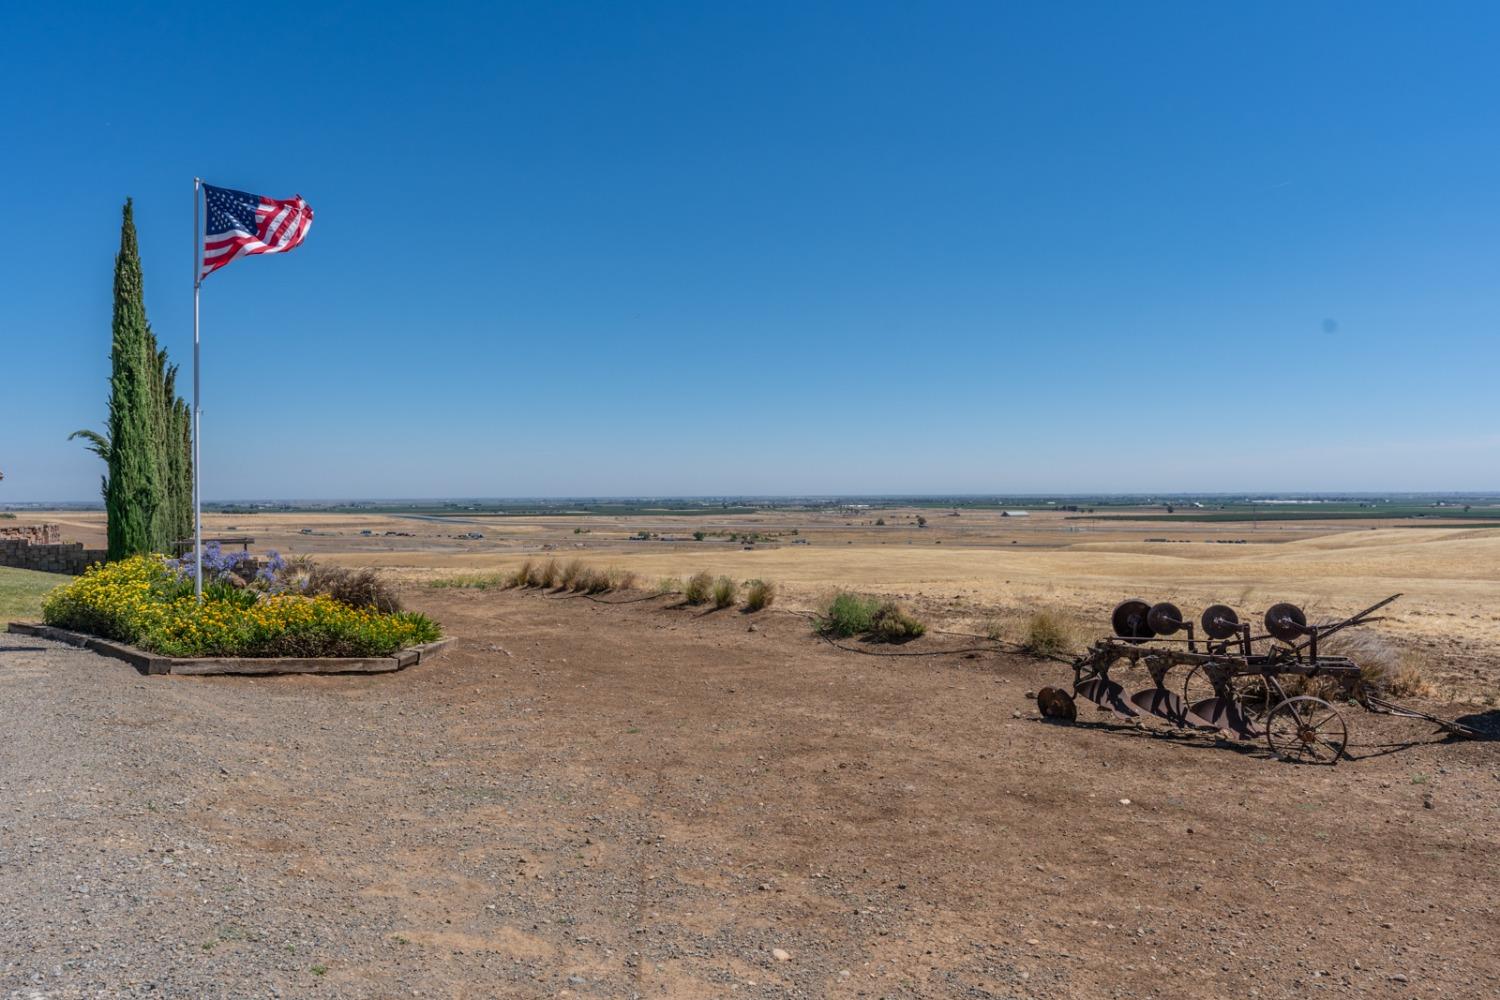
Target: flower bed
[145,602]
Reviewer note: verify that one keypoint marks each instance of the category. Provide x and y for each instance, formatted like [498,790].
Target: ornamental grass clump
[569,574]
[725,592]
[893,623]
[697,589]
[1048,633]
[759,595]
[147,603]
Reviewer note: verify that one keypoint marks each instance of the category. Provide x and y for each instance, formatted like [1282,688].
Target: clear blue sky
[603,248]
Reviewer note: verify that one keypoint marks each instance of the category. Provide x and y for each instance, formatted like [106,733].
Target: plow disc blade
[1168,706]
[1221,714]
[1106,694]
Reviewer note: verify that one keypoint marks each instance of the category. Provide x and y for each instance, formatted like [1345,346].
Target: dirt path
[639,800]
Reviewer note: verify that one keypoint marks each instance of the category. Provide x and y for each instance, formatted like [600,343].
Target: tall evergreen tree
[135,496]
[150,501]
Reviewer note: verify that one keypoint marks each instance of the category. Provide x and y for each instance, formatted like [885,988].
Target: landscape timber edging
[151,663]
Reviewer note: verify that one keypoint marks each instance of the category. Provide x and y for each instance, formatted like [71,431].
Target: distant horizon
[1252,496]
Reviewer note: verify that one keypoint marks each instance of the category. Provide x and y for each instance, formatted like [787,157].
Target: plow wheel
[1306,730]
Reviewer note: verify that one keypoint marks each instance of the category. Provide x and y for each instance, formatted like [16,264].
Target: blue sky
[598,248]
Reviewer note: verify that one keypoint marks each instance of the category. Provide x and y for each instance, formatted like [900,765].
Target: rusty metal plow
[1231,677]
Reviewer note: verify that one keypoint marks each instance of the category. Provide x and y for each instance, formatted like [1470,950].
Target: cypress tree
[135,495]
[183,438]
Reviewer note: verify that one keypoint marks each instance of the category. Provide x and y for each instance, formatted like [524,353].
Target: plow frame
[1248,700]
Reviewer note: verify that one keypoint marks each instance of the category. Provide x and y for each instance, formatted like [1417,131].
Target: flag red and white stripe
[240,224]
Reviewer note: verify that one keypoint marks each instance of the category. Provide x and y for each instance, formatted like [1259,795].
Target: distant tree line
[148,443]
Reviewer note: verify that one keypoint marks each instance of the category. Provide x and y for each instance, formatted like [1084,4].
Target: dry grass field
[970,569]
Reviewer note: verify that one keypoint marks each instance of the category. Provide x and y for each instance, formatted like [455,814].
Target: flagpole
[197,409]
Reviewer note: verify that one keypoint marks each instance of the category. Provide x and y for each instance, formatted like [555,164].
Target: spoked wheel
[1307,730]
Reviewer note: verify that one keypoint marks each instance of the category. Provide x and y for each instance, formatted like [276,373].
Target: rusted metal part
[1233,683]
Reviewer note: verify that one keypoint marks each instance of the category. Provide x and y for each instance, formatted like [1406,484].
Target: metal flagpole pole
[197,410]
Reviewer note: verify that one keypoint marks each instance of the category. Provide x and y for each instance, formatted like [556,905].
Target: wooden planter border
[151,663]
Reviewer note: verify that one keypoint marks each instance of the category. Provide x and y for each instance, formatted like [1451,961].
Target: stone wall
[40,547]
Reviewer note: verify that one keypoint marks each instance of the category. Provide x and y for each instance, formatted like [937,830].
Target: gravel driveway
[587,800]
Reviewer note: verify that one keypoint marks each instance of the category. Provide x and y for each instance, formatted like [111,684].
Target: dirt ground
[596,798]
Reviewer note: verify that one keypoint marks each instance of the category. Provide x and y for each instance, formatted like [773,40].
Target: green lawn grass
[21,593]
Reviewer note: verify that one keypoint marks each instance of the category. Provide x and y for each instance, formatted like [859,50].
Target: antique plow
[1232,680]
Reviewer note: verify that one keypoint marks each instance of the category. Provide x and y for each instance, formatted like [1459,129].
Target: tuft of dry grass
[623,579]
[759,595]
[698,588]
[522,575]
[894,623]
[994,629]
[358,588]
[570,573]
[669,585]
[725,592]
[1048,633]
[472,581]
[547,575]
[1383,666]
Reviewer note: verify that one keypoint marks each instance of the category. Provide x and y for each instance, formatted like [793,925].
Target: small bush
[893,623]
[847,613]
[569,573]
[698,587]
[522,575]
[596,582]
[548,574]
[668,585]
[725,592]
[994,630]
[759,594]
[358,588]
[1047,634]
[623,579]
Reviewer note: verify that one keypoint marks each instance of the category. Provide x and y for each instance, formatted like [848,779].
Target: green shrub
[893,623]
[698,588]
[725,592]
[759,594]
[847,613]
[1047,634]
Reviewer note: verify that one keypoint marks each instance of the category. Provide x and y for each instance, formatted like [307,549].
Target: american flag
[240,224]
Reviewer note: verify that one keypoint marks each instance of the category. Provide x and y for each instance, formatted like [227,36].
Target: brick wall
[36,534]
[40,547]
